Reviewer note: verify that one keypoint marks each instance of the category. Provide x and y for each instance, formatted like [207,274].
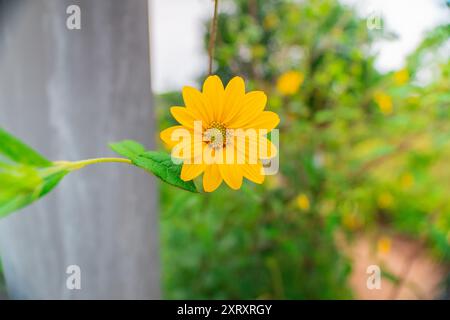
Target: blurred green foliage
[360,151]
[25,176]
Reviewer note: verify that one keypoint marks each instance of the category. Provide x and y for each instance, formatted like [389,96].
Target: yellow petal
[234,93]
[255,148]
[266,149]
[166,135]
[184,116]
[190,151]
[251,106]
[212,178]
[191,171]
[266,120]
[196,102]
[232,174]
[253,172]
[214,92]
[192,112]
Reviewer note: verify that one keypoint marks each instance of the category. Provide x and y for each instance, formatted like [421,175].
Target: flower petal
[266,120]
[212,178]
[214,93]
[196,103]
[189,151]
[166,135]
[234,93]
[185,116]
[251,106]
[266,149]
[191,171]
[253,172]
[232,174]
[255,147]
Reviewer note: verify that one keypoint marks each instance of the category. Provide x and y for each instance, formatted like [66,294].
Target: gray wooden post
[68,93]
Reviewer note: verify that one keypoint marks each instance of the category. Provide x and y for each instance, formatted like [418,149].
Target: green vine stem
[212,36]
[76,165]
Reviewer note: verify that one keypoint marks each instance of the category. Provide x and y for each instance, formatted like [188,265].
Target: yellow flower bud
[302,202]
[401,77]
[384,103]
[384,245]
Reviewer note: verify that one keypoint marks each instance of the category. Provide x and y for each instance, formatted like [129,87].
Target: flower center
[216,135]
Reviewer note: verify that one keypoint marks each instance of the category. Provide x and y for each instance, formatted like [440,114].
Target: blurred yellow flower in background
[302,202]
[289,82]
[385,200]
[384,245]
[406,180]
[401,76]
[384,102]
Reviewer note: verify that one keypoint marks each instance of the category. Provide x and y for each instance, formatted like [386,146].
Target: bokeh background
[364,150]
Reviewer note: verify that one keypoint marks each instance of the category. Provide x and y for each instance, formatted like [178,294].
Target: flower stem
[76,165]
[212,36]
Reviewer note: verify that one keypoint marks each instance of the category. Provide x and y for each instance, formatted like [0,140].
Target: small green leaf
[128,148]
[162,166]
[158,163]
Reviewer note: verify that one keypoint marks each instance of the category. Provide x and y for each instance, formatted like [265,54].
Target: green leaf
[23,185]
[17,151]
[158,163]
[25,175]
[162,166]
[128,148]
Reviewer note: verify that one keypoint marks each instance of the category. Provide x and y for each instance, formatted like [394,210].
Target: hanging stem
[81,164]
[212,36]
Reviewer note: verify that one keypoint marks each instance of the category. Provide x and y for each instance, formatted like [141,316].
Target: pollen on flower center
[216,135]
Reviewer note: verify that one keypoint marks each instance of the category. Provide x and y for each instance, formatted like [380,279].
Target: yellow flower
[406,181]
[384,102]
[289,82]
[302,202]
[401,77]
[385,200]
[222,134]
[384,245]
